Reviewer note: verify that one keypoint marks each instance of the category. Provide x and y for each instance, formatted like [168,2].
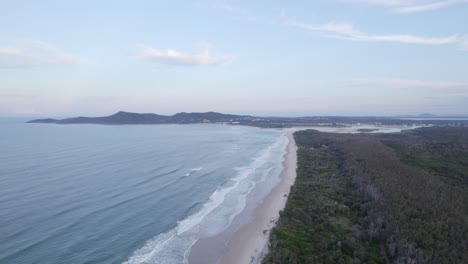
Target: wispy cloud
[238,11]
[28,53]
[463,44]
[427,6]
[410,6]
[200,57]
[409,83]
[234,11]
[385,3]
[347,31]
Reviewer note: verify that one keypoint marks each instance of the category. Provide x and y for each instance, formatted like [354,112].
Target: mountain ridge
[129,118]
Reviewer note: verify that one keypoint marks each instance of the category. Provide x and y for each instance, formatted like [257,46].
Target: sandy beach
[250,243]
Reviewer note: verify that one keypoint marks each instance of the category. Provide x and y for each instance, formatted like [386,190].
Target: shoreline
[250,243]
[247,241]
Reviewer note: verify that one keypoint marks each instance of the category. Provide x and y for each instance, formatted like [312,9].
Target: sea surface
[125,194]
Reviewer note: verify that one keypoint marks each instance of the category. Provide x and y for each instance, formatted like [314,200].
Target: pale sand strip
[250,242]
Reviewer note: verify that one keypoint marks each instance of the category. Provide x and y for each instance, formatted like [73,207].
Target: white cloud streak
[410,6]
[234,11]
[32,53]
[174,57]
[347,31]
[408,83]
[463,44]
[426,7]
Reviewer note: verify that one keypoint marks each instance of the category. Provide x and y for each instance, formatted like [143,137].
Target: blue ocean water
[124,194]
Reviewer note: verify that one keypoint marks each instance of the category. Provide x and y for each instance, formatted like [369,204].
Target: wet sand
[248,242]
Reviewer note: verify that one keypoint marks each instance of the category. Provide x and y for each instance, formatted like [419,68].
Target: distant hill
[427,115]
[46,121]
[126,118]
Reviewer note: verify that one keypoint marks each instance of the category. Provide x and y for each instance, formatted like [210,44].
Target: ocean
[125,194]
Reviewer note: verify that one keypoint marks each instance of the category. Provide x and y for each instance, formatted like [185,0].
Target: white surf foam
[214,216]
[193,171]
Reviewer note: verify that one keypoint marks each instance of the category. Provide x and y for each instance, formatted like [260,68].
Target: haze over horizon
[336,57]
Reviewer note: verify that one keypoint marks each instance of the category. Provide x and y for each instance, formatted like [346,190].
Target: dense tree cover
[442,151]
[361,199]
[324,219]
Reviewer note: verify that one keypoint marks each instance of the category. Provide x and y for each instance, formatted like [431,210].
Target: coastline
[246,240]
[250,243]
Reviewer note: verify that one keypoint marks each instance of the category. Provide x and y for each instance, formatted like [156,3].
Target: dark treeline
[377,198]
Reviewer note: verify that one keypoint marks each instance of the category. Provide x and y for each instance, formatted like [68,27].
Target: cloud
[410,6]
[385,3]
[235,11]
[29,53]
[175,57]
[408,83]
[463,44]
[426,7]
[347,31]
[239,11]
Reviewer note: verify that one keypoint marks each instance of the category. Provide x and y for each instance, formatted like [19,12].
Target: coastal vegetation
[376,198]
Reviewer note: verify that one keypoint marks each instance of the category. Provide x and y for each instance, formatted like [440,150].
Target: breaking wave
[216,214]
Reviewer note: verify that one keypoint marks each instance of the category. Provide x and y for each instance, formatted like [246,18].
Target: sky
[264,57]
